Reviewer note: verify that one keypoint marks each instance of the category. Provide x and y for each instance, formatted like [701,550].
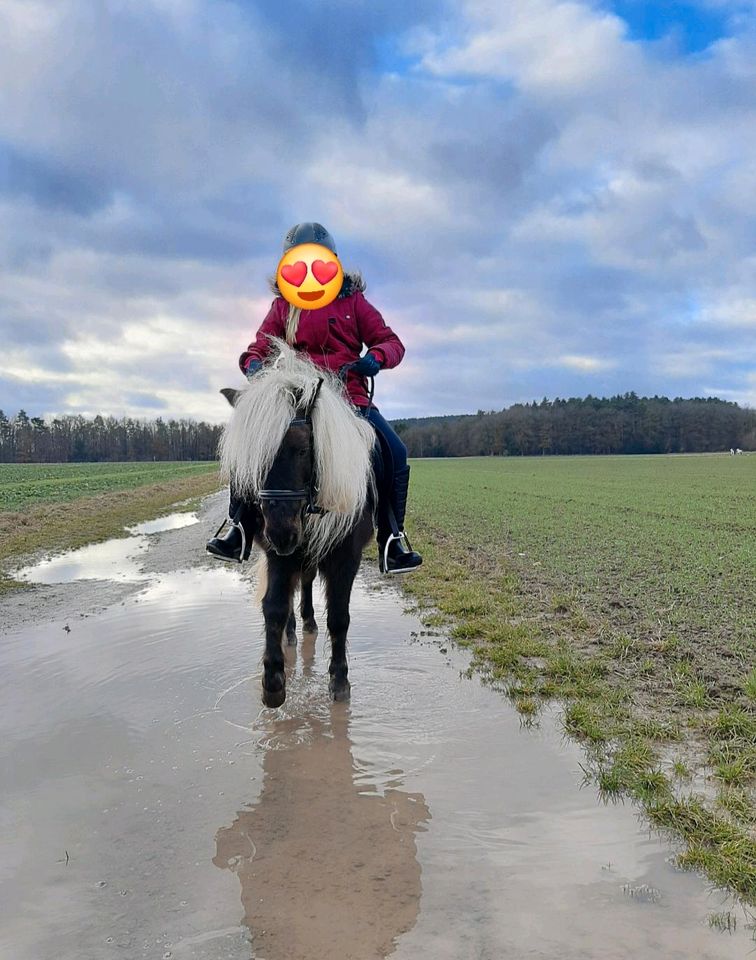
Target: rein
[343,371]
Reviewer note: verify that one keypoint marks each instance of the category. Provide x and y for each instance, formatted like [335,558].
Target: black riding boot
[395,553]
[238,538]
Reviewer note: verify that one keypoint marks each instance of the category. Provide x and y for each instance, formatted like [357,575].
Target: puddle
[420,820]
[113,560]
[174,521]
[116,560]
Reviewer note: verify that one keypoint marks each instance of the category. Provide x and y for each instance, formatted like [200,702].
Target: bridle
[308,494]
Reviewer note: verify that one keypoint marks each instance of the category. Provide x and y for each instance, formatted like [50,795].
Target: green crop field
[624,588]
[46,507]
[27,485]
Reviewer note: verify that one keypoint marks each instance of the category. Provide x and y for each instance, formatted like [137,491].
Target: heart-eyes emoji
[309,276]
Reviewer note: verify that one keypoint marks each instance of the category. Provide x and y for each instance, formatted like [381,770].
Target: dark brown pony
[300,458]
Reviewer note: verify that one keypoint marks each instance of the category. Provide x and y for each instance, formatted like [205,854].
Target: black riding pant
[393,441]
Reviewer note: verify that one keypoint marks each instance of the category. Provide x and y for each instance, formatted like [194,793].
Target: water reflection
[116,560]
[174,521]
[328,867]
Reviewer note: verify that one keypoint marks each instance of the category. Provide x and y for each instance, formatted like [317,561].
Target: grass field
[623,587]
[46,507]
[24,485]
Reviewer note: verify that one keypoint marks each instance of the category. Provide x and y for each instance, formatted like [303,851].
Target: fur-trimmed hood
[353,283]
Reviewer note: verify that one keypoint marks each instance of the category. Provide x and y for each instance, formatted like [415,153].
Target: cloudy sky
[546,198]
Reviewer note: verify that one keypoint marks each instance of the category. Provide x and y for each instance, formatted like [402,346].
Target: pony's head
[294,433]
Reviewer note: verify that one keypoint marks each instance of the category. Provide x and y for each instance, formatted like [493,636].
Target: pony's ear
[231,395]
[314,400]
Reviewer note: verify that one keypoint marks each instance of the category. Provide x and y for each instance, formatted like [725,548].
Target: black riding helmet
[309,233]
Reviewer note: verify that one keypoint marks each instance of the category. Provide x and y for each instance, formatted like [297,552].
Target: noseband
[310,491]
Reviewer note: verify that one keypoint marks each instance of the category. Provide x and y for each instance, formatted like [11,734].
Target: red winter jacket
[334,335]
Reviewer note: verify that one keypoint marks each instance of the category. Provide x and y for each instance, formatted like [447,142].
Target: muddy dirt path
[151,808]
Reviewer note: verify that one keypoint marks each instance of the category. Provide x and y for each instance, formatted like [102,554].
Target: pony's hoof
[291,640]
[340,692]
[274,697]
[309,626]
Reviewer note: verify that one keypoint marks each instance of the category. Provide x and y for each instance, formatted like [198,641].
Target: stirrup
[400,537]
[240,527]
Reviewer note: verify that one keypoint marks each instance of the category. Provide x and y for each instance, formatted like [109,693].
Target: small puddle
[150,807]
[174,521]
[116,560]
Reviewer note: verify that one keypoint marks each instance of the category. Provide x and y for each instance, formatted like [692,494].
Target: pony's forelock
[343,441]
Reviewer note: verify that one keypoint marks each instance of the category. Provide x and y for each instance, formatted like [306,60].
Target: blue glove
[367,366]
[252,367]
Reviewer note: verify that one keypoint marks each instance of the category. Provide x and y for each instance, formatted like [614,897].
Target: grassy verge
[623,588]
[59,518]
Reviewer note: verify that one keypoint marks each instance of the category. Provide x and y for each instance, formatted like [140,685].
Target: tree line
[591,425]
[25,439]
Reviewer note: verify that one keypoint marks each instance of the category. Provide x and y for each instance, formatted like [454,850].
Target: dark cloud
[49,184]
[345,40]
[35,398]
[146,400]
[21,328]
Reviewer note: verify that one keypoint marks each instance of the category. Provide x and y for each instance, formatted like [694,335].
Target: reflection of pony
[298,454]
[327,862]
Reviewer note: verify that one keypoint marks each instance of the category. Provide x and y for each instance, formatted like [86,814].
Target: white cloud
[694,361]
[744,393]
[392,201]
[544,46]
[585,364]
[738,312]
[539,204]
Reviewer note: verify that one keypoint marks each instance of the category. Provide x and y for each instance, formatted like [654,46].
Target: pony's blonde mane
[343,441]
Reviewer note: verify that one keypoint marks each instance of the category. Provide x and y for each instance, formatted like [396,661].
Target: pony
[301,458]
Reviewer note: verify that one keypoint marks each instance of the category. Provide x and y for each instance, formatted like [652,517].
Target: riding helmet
[309,233]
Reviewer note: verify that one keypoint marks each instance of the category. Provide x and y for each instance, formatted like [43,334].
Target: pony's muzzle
[284,550]
[284,534]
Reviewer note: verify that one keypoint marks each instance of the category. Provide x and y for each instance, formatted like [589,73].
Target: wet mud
[150,807]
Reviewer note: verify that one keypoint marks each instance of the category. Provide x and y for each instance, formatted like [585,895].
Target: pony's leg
[291,630]
[276,607]
[339,571]
[306,609]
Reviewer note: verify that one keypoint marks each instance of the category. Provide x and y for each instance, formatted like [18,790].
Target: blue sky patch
[694,26]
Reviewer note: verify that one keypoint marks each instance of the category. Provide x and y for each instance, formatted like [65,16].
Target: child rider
[331,337]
